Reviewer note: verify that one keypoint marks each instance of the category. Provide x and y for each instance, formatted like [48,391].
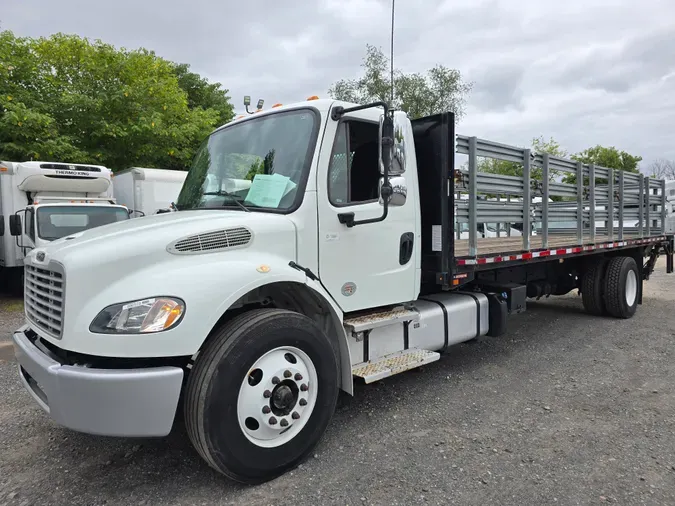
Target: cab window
[354,171]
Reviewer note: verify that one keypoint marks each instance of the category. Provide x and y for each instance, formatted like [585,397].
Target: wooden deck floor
[495,245]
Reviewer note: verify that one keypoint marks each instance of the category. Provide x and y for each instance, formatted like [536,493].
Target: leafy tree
[608,157]
[441,89]
[201,93]
[69,99]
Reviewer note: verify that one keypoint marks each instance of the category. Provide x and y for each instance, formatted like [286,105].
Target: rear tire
[622,287]
[264,364]
[592,288]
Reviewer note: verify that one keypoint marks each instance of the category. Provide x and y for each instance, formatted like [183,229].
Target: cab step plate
[360,323]
[393,364]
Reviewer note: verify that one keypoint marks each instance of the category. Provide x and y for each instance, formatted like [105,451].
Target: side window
[30,224]
[354,172]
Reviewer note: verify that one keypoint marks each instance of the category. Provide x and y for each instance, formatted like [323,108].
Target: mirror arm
[340,111]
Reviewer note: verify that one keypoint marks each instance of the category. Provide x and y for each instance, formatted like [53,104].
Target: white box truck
[314,244]
[147,191]
[44,201]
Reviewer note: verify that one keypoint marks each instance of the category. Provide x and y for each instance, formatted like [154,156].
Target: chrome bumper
[110,402]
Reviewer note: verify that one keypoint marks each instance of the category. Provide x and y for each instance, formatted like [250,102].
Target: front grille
[43,299]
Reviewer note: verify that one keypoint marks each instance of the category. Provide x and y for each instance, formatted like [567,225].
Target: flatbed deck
[504,245]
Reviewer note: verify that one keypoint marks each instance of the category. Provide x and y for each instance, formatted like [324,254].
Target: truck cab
[41,202]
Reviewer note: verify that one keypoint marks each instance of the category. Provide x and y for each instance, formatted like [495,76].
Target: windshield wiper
[231,195]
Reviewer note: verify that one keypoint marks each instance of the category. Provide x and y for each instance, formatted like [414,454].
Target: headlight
[139,317]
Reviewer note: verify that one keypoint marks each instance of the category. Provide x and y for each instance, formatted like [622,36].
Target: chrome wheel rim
[277,396]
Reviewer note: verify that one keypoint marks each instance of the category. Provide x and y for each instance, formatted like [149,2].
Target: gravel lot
[566,409]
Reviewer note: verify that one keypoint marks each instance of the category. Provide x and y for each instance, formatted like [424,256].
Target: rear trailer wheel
[592,287]
[261,394]
[622,286]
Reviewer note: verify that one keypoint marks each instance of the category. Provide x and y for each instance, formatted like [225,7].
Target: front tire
[261,394]
[622,287]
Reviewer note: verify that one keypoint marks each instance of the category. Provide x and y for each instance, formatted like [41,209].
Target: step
[393,364]
[369,321]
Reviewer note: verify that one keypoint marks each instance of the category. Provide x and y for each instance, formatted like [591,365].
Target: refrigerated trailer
[147,191]
[44,201]
[314,245]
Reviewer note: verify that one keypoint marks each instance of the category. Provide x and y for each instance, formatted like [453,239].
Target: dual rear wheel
[612,287]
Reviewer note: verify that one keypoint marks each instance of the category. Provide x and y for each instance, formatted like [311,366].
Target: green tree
[70,99]
[441,89]
[608,157]
[202,94]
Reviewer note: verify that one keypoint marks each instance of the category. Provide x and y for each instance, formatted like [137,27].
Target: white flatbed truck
[314,244]
[44,201]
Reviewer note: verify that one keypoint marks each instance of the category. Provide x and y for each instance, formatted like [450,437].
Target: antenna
[391,56]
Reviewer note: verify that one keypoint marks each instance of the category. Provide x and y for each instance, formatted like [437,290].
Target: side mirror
[397,149]
[385,143]
[15,225]
[399,191]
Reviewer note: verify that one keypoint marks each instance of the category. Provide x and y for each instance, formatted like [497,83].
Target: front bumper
[111,402]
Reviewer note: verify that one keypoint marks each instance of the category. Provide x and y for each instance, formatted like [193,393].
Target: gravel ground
[565,409]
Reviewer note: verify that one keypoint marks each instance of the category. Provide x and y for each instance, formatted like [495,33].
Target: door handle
[406,248]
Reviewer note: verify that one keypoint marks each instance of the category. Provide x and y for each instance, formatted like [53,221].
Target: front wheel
[261,394]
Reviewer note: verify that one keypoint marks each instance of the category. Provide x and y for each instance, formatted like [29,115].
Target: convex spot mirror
[399,191]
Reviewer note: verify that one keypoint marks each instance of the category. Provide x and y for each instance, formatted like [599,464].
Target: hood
[146,239]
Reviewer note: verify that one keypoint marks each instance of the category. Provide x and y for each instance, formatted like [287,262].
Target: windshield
[261,163]
[54,222]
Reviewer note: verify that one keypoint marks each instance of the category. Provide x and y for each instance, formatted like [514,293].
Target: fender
[280,272]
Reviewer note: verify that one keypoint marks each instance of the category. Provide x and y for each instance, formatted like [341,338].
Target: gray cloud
[582,71]
[498,87]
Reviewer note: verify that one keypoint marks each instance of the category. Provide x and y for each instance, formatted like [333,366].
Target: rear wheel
[622,287]
[261,394]
[592,288]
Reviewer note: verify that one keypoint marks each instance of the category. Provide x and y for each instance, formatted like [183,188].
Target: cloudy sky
[585,72]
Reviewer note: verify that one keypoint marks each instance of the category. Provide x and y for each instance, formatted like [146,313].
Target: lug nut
[287,374]
[298,376]
[284,422]
[266,410]
[295,415]
[276,381]
[267,394]
[303,402]
[304,387]
[273,421]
